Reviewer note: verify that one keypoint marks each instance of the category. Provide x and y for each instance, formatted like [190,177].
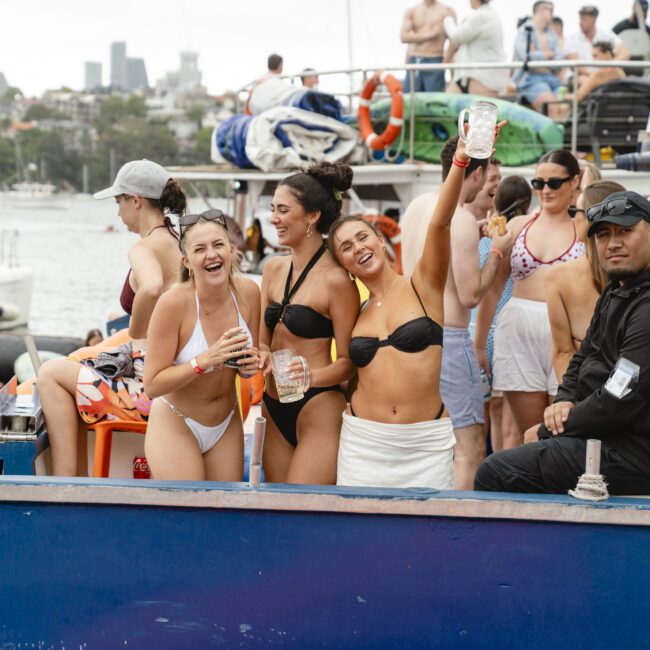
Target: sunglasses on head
[188,220]
[613,207]
[572,210]
[553,183]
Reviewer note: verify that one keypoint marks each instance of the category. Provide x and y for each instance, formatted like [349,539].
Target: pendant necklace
[379,302]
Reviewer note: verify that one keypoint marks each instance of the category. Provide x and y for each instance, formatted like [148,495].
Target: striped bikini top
[523,263]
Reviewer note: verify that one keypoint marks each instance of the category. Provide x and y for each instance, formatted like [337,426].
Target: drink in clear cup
[289,390]
[479,140]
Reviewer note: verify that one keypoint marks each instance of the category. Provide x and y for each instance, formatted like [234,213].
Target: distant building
[186,80]
[118,65]
[93,76]
[136,74]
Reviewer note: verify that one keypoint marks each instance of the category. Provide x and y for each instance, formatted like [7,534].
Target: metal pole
[574,112]
[350,76]
[34,356]
[255,470]
[592,465]
[411,74]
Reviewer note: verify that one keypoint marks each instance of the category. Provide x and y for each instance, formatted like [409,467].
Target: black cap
[620,208]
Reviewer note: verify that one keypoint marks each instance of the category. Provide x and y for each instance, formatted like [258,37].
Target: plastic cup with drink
[289,388]
[479,139]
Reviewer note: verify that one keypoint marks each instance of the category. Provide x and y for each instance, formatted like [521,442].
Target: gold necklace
[380,301]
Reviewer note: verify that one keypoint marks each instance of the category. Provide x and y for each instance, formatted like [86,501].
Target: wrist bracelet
[195,366]
[460,163]
[497,251]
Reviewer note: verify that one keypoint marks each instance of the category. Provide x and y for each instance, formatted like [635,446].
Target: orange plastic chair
[246,393]
[104,441]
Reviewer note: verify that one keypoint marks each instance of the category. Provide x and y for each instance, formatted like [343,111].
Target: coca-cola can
[141,467]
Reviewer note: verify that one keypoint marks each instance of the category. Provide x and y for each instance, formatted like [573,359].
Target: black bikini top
[300,320]
[414,336]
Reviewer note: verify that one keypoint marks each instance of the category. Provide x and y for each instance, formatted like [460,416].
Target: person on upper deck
[605,393]
[307,301]
[478,38]
[396,433]
[558,25]
[522,338]
[202,332]
[582,45]
[423,32]
[538,85]
[75,395]
[572,289]
[270,90]
[598,76]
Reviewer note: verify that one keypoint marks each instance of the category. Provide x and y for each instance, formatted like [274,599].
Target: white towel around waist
[375,454]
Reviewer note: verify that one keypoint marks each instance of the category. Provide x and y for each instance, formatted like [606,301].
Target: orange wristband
[497,251]
[461,164]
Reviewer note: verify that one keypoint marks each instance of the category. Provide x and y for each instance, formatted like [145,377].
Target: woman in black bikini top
[396,408]
[307,300]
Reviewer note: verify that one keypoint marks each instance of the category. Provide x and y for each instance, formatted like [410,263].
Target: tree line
[123,133]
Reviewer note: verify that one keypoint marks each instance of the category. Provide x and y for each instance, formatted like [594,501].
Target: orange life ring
[372,139]
[393,236]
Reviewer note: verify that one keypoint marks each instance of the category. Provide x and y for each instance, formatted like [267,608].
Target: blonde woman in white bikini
[201,334]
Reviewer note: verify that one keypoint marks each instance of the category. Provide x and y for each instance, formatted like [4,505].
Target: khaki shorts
[522,348]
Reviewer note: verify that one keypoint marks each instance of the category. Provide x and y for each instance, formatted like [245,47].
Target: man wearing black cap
[605,393]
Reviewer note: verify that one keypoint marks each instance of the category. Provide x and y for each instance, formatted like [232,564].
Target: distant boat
[31,194]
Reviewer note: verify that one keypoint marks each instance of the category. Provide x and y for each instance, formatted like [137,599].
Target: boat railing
[364,72]
[9,248]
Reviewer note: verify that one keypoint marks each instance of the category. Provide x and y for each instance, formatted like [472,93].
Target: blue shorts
[534,84]
[460,379]
[425,81]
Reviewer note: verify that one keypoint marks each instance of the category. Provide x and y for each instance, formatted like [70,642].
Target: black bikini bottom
[440,412]
[285,416]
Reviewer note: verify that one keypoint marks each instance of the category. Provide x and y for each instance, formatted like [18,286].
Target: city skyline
[232,40]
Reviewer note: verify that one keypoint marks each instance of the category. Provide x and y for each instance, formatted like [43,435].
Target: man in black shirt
[605,392]
[631,22]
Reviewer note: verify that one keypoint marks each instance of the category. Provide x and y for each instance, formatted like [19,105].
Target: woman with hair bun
[307,300]
[74,395]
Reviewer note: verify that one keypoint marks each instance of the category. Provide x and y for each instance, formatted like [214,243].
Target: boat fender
[371,139]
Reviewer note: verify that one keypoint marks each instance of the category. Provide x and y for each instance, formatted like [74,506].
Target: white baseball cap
[140,177]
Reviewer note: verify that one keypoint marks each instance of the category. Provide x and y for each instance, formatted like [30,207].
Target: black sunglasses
[188,220]
[553,183]
[572,210]
[613,207]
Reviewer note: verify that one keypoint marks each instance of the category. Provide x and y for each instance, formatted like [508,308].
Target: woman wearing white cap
[74,395]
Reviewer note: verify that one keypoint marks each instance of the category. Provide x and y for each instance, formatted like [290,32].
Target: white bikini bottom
[207,437]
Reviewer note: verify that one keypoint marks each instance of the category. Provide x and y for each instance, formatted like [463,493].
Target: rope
[591,487]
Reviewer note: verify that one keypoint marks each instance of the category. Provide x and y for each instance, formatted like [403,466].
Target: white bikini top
[198,342]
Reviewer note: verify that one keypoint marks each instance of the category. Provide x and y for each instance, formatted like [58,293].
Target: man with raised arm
[423,32]
[467,283]
[605,392]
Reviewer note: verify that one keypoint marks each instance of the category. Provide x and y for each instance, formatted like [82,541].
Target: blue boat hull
[225,566]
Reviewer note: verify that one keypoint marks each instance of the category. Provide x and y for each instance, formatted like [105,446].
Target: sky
[44,43]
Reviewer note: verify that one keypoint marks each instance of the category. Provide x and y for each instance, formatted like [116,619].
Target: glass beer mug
[289,389]
[479,140]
